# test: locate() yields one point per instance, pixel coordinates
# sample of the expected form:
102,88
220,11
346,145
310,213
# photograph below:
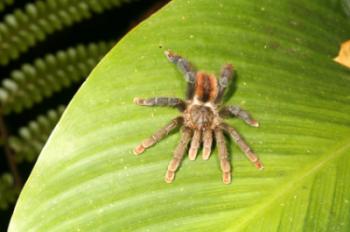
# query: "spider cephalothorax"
201,118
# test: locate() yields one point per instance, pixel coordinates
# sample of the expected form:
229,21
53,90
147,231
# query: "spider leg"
230,111
225,76
161,101
207,142
187,70
160,134
223,156
196,139
243,145
178,155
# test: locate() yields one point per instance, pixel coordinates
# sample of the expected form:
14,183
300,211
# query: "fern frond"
8,193
4,3
39,80
32,137
23,28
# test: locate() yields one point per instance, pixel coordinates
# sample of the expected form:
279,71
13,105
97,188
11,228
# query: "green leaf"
87,179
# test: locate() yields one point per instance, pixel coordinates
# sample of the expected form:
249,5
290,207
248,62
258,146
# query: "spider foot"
137,100
226,177
206,153
259,165
192,153
207,143
169,176
139,149
170,55
196,140
253,123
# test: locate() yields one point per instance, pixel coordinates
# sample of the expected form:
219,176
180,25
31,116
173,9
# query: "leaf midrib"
290,186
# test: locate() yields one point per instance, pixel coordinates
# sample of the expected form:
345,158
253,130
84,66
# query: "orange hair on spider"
206,87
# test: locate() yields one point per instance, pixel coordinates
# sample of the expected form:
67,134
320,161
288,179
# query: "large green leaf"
87,178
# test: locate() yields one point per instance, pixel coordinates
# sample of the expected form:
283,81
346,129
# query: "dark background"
110,25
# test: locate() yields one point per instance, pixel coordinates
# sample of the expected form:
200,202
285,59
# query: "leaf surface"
87,179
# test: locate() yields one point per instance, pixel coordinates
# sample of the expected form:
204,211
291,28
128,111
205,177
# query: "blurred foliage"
31,138
346,7
8,193
48,75
3,4
27,81
24,28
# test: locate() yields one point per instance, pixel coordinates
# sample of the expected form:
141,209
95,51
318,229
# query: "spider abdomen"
205,87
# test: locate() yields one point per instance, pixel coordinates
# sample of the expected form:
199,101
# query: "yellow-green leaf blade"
87,178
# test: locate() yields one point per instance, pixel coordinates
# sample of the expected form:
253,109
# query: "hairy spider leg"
178,154
207,142
160,134
242,145
195,143
223,156
224,79
161,101
187,70
236,111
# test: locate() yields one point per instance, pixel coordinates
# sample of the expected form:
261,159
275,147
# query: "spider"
202,117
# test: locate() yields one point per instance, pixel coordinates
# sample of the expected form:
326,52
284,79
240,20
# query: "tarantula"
202,116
